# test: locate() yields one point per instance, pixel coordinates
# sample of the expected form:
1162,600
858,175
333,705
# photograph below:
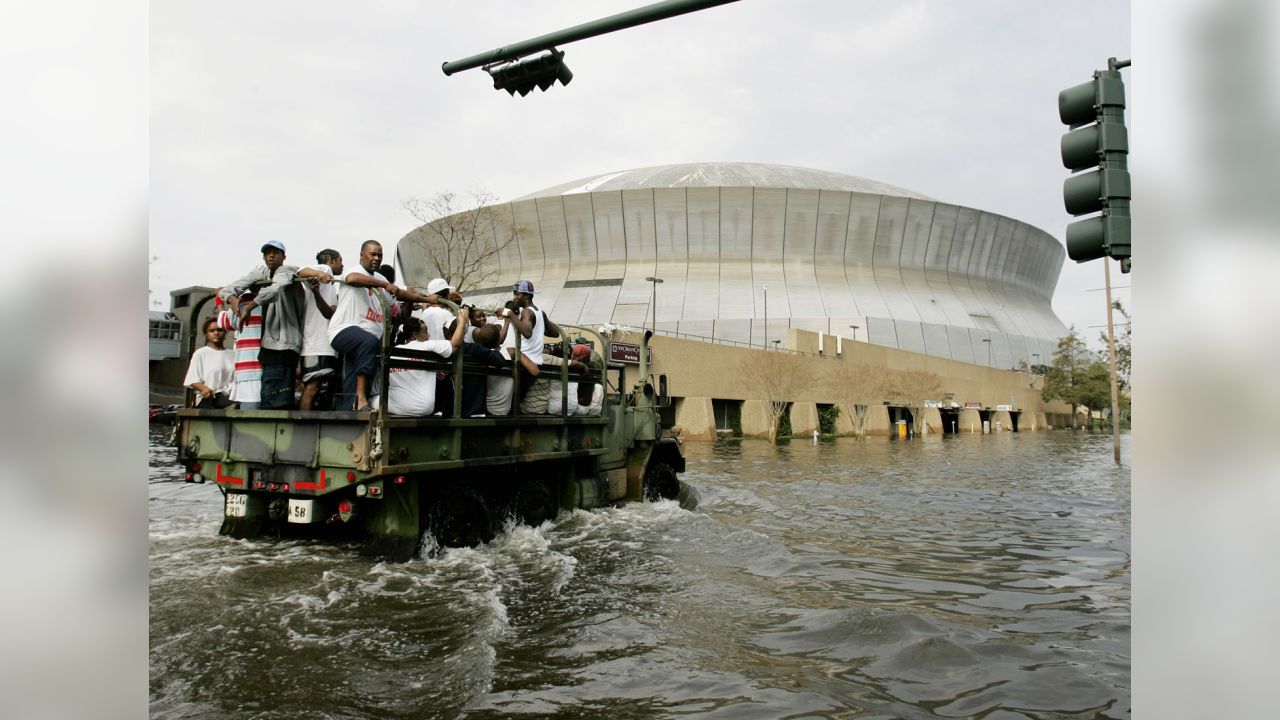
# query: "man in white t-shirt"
436,317
319,360
359,321
533,327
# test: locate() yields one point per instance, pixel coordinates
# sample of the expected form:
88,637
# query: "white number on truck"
237,504
301,510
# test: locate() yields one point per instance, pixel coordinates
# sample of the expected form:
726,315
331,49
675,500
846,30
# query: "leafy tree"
461,244
911,389
774,379
856,387
1077,377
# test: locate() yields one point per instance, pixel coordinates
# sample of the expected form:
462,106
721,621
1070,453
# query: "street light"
988,342
775,344
766,316
654,303
855,332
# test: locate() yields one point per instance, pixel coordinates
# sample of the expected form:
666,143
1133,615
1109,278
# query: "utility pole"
1111,351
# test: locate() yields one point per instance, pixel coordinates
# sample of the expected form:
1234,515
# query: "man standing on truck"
358,323
319,360
282,304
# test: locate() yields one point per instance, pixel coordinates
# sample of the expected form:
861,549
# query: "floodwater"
960,577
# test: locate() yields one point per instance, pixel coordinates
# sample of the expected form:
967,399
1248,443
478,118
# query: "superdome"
724,175
834,251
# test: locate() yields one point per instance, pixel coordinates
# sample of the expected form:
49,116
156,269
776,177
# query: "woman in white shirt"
413,392
212,368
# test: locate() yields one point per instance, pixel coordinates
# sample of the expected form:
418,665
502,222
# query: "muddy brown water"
967,576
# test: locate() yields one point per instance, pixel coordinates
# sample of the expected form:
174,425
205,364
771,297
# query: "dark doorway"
950,421
1013,419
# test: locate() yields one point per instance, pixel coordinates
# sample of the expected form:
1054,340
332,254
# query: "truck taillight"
346,509
195,467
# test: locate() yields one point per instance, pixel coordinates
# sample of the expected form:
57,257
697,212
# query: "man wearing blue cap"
283,307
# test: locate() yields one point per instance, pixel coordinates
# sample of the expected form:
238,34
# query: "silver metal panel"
880,331
611,238
509,265
642,249
631,314
734,330
737,296
935,339
529,239
701,329
982,354
798,254
941,235
768,223
910,335
702,289
580,229
963,244
859,250
915,251
555,249
887,258
568,305
599,306
1003,354
828,255
961,345
671,236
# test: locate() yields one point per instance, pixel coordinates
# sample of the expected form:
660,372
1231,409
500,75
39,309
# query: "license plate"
237,504
301,510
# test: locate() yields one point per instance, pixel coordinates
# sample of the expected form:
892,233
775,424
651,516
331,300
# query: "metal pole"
766,317
621,21
1111,347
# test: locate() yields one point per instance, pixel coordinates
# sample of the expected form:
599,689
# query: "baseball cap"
524,286
272,244
438,285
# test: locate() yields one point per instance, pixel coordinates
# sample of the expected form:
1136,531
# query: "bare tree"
911,389
774,379
462,244
856,387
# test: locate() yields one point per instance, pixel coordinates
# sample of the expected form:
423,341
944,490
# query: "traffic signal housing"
522,77
1097,139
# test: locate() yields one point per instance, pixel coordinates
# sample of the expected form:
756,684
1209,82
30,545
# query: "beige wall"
699,371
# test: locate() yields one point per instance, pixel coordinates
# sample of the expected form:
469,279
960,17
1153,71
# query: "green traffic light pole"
621,21
1119,207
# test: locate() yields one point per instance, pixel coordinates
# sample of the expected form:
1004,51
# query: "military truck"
393,481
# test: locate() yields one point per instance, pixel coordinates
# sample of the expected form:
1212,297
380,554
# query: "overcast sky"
311,122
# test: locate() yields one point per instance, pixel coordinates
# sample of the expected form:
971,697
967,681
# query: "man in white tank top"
532,325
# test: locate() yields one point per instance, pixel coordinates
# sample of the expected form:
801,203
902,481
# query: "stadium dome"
834,251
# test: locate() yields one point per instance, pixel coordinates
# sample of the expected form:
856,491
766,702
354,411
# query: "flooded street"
966,576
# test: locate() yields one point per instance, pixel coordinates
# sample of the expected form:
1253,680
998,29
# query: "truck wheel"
534,503
661,483
461,518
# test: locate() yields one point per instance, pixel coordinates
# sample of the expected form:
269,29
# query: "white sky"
311,122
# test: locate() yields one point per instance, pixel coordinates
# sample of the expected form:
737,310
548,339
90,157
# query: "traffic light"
1098,139
541,72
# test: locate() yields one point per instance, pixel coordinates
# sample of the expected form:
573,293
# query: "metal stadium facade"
738,246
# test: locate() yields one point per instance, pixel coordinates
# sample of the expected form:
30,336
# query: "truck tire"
535,503
461,518
661,482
